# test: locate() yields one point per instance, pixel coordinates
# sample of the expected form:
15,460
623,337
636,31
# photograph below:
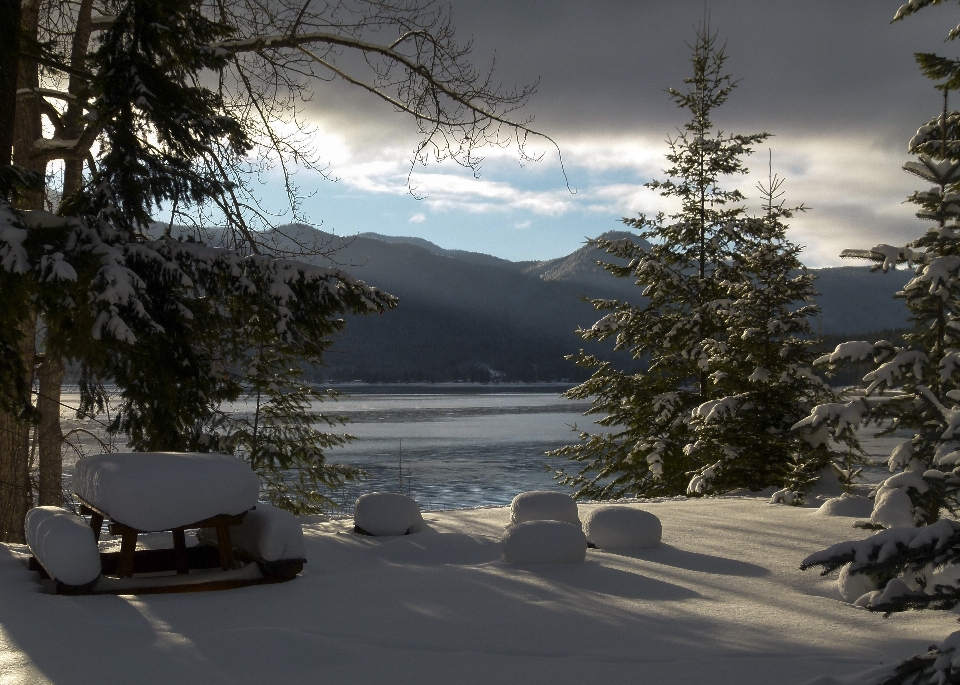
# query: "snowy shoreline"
721,596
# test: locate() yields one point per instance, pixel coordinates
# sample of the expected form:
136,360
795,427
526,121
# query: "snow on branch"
882,546
887,256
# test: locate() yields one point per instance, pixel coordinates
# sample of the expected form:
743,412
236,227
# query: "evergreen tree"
917,387
683,266
764,359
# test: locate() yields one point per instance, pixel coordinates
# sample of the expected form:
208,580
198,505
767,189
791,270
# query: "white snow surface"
267,533
617,527
164,490
544,505
847,505
722,596
64,545
544,542
387,513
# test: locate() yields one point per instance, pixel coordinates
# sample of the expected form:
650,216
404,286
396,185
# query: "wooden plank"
161,560
225,546
180,552
128,548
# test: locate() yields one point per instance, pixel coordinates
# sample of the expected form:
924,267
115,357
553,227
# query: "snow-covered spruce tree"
683,266
763,358
916,387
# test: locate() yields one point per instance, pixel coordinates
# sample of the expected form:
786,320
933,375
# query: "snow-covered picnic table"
146,492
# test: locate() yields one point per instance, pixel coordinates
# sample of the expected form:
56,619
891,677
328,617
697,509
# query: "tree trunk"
16,497
9,57
49,434
51,371
15,492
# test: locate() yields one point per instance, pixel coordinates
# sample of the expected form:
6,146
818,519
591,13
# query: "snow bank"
544,542
622,528
544,505
267,533
63,544
387,513
847,505
162,490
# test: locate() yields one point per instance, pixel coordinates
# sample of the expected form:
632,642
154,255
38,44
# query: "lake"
455,446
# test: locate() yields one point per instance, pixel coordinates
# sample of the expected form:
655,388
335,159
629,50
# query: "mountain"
470,316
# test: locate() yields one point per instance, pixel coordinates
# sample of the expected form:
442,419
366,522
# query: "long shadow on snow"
592,576
669,555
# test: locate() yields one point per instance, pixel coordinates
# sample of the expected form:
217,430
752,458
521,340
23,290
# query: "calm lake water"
459,446
452,448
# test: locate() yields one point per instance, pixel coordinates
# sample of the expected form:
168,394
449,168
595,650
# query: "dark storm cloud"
810,66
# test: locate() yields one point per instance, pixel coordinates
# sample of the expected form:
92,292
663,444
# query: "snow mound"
853,586
893,509
154,491
387,513
455,549
63,544
622,528
847,505
544,505
267,533
544,542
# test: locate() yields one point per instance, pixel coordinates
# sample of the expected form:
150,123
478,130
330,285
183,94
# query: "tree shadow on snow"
669,555
592,576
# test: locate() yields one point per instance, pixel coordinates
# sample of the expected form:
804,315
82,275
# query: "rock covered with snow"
847,505
387,513
267,533
853,586
63,544
153,491
615,527
544,542
544,505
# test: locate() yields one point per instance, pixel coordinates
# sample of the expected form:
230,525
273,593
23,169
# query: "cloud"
417,218
522,224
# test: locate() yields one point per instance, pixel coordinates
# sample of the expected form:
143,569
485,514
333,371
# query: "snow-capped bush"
544,505
622,528
544,542
63,544
387,513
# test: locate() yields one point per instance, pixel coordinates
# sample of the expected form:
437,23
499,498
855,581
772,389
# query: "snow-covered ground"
721,601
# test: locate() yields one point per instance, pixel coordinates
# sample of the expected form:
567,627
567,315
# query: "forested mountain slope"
469,316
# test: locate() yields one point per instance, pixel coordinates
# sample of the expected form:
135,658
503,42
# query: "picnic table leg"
128,546
225,547
96,522
180,552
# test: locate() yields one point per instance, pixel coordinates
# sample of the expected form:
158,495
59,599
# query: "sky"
833,81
